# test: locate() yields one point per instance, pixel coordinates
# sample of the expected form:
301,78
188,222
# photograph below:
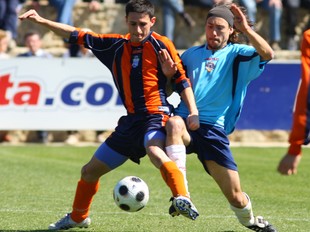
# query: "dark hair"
237,36
222,11
140,6
31,33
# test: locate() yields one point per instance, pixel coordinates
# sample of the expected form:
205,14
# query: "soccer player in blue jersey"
220,71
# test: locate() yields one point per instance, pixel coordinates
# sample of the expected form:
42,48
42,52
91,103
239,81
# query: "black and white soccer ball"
131,194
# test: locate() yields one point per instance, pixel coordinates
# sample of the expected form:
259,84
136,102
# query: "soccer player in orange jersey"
143,63
300,128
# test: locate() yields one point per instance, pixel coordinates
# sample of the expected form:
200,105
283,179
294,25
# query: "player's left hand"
168,66
289,164
240,21
192,122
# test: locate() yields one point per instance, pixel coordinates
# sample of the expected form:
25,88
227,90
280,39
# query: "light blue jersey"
219,80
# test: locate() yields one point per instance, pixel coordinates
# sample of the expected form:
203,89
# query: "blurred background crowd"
281,22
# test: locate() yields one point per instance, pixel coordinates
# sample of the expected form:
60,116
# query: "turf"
37,185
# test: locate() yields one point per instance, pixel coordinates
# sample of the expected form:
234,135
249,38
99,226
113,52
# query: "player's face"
139,25
217,33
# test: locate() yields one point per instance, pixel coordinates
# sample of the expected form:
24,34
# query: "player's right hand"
31,15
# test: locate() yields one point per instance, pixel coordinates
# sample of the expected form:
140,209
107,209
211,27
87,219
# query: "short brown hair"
140,6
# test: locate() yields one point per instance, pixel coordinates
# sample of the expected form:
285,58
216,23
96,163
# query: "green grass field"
37,186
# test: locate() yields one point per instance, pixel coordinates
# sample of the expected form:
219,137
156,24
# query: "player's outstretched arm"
60,29
260,44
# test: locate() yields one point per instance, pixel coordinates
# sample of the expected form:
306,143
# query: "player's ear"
153,20
231,30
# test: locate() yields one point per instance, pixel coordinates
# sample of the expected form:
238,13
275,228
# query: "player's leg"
154,144
155,141
104,160
177,136
212,146
229,182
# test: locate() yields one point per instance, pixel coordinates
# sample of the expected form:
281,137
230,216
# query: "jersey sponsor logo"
165,109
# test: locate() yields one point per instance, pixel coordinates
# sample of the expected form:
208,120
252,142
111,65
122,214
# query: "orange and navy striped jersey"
135,68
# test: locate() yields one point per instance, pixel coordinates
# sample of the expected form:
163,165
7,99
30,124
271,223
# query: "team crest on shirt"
135,61
210,64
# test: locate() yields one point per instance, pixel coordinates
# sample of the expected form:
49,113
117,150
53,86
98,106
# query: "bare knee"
238,200
175,126
156,153
86,174
93,170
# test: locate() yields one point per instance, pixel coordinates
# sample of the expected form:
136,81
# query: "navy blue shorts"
211,143
128,137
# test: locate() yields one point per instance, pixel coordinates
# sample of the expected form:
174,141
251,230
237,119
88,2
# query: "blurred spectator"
121,1
4,44
33,42
292,7
64,9
5,136
94,5
75,50
21,5
170,9
251,8
8,16
73,137
101,136
205,3
306,5
274,8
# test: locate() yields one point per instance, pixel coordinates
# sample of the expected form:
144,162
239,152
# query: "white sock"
245,215
177,153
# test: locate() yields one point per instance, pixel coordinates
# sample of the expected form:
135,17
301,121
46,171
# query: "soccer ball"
131,194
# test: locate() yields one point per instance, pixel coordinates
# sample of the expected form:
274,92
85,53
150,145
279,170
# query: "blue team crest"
210,66
135,61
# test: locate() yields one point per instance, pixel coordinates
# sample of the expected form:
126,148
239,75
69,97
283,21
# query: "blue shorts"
211,143
129,138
